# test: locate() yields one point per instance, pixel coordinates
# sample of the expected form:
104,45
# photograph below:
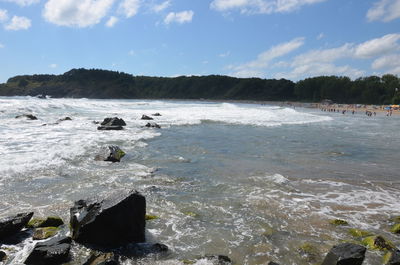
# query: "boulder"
115,221
272,263
44,233
145,117
3,256
64,119
51,252
378,243
98,258
345,254
395,229
338,222
112,124
51,221
219,259
14,224
111,153
28,116
153,125
392,258
156,114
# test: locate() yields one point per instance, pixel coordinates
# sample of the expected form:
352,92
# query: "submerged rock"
98,258
14,224
44,233
111,153
112,124
110,128
378,243
338,222
153,125
392,258
145,117
359,233
345,254
51,252
149,217
51,221
156,114
3,256
309,252
272,263
395,229
219,259
115,221
28,116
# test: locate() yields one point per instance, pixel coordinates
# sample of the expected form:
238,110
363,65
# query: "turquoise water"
250,181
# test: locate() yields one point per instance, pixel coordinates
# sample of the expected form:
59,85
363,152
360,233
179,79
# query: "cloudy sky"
290,39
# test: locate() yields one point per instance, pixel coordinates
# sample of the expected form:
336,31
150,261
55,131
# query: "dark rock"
220,259
153,125
392,258
113,122
110,128
28,116
272,263
64,119
14,224
41,96
156,114
111,153
114,221
345,254
3,256
142,249
145,117
98,258
51,252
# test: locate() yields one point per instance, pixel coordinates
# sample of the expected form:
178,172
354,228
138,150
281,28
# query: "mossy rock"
191,214
51,221
188,261
151,217
395,219
391,257
395,229
44,233
269,231
309,252
378,243
359,233
338,222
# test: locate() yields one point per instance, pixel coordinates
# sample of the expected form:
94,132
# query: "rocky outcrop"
114,221
112,124
111,153
28,116
14,224
51,252
53,221
145,117
153,125
345,254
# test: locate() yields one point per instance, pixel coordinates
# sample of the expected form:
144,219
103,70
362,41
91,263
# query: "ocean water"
250,181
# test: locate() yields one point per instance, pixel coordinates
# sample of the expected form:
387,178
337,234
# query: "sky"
292,39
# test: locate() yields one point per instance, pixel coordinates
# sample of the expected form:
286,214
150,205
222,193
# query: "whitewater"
250,181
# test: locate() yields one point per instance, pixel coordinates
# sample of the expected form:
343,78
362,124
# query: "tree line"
95,83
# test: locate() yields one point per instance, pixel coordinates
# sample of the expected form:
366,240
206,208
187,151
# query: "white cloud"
161,7
254,68
76,13
323,56
3,15
388,61
225,54
18,23
129,8
378,47
53,65
384,10
111,21
23,2
180,17
261,6
320,36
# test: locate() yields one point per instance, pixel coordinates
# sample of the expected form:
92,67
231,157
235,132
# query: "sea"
255,182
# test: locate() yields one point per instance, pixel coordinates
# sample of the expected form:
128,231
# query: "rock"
64,119
153,125
378,243
220,259
3,256
28,116
111,153
113,122
338,222
149,217
14,224
41,96
392,258
51,252
359,233
156,114
98,258
115,221
44,233
272,263
395,229
53,221
142,249
309,252
345,254
145,117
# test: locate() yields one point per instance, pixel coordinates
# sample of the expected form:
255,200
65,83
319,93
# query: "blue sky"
291,39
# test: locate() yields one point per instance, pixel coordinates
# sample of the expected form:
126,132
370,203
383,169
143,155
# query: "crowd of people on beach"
369,113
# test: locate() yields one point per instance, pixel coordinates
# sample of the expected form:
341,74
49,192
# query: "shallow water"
253,182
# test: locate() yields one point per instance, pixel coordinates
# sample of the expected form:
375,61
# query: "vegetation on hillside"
95,83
